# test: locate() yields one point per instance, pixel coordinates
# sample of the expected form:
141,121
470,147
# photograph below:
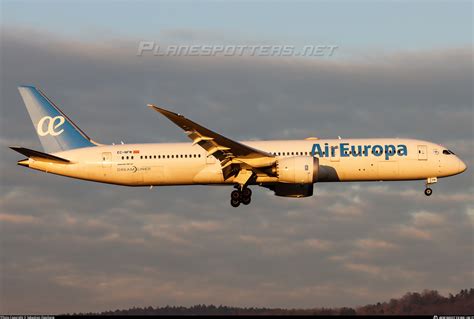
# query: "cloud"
375,244
97,247
12,218
413,233
424,218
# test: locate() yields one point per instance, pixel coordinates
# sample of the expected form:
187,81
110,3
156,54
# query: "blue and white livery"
288,168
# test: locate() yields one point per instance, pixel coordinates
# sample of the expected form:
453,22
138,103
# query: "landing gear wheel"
246,200
428,191
235,195
246,192
235,202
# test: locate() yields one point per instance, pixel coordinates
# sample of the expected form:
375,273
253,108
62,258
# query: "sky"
401,69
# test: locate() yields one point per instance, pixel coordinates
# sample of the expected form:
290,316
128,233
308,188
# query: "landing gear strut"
429,181
238,196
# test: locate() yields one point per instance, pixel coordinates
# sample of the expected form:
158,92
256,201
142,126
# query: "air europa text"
347,150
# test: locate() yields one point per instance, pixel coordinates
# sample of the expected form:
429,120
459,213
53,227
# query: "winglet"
163,111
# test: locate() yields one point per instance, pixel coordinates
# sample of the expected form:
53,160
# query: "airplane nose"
462,166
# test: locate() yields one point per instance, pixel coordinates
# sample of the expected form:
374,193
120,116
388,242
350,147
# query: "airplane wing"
236,158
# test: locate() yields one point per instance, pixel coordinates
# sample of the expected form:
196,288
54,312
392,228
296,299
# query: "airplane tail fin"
55,130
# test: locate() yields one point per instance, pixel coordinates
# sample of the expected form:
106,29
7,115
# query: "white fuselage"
187,164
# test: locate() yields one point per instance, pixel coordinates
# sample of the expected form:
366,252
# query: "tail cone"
25,162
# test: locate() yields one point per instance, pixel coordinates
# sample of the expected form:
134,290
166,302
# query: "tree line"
428,302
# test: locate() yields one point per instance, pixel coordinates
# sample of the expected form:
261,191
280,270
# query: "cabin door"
106,163
422,152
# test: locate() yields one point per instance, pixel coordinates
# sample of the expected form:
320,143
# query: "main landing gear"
243,196
429,181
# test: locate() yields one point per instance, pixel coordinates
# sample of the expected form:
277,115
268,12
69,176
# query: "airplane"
289,168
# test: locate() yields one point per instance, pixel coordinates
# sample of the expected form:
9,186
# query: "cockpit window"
448,152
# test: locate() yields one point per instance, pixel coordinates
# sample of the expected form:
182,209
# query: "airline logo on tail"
55,130
53,123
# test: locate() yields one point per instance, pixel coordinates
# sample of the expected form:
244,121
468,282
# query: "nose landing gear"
429,181
238,196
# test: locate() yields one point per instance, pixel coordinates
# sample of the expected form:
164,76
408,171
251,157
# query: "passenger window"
141,156
131,157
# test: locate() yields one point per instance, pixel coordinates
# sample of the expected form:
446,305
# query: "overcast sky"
69,245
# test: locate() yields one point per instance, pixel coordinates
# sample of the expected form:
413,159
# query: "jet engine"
296,176
297,169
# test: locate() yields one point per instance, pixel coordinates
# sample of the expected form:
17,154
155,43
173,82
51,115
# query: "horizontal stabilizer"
37,154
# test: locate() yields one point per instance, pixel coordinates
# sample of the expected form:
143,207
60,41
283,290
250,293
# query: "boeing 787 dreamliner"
289,168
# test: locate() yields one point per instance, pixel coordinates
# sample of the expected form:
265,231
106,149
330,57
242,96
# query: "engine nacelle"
298,170
293,190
